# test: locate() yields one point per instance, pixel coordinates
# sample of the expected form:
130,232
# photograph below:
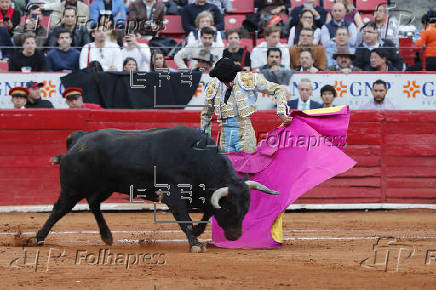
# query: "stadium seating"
408,50
368,5
173,25
242,6
171,63
4,66
328,4
233,21
295,3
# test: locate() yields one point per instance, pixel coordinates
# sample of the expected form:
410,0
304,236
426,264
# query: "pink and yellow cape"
291,159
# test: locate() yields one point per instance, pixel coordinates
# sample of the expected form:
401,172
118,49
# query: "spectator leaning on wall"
34,100
73,98
19,97
379,102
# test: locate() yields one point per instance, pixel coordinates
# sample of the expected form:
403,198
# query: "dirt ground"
323,250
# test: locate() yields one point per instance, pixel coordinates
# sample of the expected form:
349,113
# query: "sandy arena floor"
322,250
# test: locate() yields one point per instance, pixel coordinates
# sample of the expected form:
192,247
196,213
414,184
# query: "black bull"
101,162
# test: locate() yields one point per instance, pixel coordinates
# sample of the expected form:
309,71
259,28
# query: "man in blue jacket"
117,8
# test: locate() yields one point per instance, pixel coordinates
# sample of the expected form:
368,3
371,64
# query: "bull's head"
231,204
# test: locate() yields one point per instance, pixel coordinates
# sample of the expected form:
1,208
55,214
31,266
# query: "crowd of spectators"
110,31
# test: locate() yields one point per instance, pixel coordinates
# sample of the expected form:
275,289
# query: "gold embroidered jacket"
242,99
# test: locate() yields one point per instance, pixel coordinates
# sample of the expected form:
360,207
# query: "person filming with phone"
32,24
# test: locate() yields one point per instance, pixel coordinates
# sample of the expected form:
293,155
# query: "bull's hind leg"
94,205
180,211
64,204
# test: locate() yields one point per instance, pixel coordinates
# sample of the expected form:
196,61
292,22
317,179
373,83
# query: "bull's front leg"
180,211
199,228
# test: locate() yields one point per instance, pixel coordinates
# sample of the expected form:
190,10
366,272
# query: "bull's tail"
56,159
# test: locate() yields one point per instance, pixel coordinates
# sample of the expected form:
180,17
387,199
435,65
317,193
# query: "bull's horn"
216,196
256,185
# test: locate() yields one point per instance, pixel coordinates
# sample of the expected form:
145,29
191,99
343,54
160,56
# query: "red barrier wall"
395,151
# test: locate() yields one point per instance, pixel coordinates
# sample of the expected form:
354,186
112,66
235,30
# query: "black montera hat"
225,70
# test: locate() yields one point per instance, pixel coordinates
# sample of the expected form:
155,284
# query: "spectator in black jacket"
69,21
370,42
34,100
379,61
5,42
28,59
190,12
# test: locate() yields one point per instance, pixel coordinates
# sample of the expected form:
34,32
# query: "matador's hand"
285,119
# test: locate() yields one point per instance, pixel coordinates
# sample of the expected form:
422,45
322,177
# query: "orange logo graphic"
48,89
199,90
411,89
341,89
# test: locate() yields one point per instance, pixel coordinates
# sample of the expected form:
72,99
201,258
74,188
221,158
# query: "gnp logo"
48,89
341,88
199,90
411,89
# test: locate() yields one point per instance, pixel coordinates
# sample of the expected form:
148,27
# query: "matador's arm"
208,109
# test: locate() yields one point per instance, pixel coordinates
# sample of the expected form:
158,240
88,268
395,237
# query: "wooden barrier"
395,151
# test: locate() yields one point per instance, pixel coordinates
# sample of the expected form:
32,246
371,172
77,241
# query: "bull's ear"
245,176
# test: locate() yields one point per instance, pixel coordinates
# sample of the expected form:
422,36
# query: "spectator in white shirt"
272,36
139,51
193,48
108,54
204,19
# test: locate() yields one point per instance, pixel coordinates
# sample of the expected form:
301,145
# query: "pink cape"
301,160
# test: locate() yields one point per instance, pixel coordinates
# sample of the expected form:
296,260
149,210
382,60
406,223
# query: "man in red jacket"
74,99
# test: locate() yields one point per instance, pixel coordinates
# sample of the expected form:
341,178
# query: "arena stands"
172,37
